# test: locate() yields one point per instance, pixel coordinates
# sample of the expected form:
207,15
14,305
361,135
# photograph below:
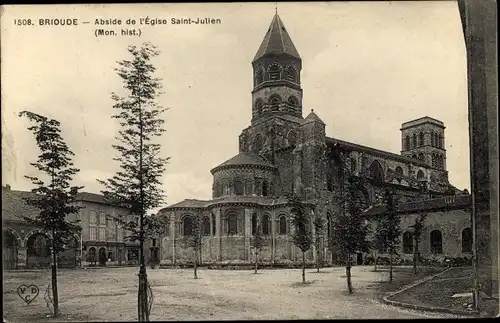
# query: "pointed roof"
312,117
277,41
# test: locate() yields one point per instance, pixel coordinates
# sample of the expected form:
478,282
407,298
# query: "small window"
238,187
283,225
266,225
232,224
187,226
291,75
102,218
436,242
206,226
467,240
420,175
407,143
407,242
93,234
265,188
414,140
274,73
254,223
421,139
93,216
102,234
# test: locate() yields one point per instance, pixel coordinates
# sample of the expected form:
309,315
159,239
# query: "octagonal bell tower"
276,74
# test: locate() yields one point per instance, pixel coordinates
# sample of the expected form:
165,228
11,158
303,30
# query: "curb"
387,301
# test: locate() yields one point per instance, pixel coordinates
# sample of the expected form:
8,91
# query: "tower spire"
276,7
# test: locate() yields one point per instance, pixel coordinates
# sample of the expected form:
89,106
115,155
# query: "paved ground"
110,295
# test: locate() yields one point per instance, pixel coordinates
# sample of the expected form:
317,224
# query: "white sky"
367,68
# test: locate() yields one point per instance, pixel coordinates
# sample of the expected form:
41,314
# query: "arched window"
266,225
436,242
293,101
407,242
232,224
407,142
248,188
238,187
399,172
421,139
434,139
414,156
265,188
275,99
259,104
258,142
440,141
259,77
282,226
218,189
420,175
376,172
214,224
292,137
187,225
205,227
329,225
467,240
291,74
414,140
353,165
274,72
254,223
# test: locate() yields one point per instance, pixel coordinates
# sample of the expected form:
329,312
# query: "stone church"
281,151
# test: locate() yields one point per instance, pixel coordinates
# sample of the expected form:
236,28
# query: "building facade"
101,241
282,152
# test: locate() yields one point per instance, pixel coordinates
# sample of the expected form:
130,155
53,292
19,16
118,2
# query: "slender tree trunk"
55,294
303,267
375,260
317,257
415,250
143,304
348,273
256,261
195,268
390,265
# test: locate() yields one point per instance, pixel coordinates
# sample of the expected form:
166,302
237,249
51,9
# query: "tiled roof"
188,203
261,200
442,203
379,152
14,206
91,197
277,41
244,158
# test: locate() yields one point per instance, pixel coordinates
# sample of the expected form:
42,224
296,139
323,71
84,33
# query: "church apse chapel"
282,152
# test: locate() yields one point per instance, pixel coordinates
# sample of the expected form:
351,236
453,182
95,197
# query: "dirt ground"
110,294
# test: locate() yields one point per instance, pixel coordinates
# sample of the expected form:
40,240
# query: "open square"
110,294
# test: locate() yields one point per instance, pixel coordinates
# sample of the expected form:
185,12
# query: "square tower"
423,139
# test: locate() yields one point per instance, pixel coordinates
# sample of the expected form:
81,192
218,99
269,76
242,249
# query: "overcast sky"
367,68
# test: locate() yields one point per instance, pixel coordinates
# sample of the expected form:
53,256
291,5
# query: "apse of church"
282,152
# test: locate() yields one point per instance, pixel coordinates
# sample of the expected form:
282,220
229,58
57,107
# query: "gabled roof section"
313,117
277,41
244,159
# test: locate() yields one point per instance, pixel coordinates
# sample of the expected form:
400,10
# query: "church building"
282,152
